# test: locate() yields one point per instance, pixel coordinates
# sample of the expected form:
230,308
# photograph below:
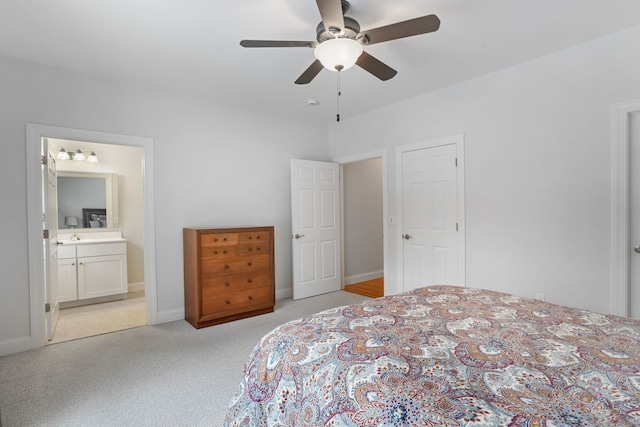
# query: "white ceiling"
193,45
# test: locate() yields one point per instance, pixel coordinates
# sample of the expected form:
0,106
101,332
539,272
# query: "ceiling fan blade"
331,12
310,73
375,67
277,43
412,27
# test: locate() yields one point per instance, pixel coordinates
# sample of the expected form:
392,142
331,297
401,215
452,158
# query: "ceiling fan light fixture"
338,54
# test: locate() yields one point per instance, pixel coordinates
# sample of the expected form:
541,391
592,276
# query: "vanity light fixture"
64,155
77,155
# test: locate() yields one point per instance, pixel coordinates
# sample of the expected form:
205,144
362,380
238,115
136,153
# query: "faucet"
74,236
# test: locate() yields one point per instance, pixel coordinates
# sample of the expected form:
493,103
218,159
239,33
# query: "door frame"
620,205
34,134
458,140
379,154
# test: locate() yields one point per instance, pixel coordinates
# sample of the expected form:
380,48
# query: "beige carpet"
165,375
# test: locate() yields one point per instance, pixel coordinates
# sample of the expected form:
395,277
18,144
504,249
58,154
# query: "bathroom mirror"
87,200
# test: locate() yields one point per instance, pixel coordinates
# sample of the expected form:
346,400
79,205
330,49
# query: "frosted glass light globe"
338,54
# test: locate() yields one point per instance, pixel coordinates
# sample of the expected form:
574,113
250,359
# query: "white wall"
363,221
214,166
538,174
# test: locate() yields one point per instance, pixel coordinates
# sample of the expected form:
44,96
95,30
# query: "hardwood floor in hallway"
370,288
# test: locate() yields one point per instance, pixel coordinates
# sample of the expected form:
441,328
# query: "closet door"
430,217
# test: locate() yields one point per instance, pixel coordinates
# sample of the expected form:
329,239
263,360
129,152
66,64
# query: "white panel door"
315,227
50,223
634,215
430,215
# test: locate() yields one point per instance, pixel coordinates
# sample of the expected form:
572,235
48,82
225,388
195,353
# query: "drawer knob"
215,240
228,302
250,297
258,248
227,284
226,267
225,239
258,237
224,252
250,237
249,264
215,252
250,249
250,281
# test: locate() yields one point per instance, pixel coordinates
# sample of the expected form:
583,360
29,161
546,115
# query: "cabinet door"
100,276
67,280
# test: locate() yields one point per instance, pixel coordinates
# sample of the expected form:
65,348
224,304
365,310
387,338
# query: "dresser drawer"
218,239
220,252
254,249
253,237
222,305
235,282
214,266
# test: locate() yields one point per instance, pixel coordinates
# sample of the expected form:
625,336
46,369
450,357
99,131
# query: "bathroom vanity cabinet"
91,269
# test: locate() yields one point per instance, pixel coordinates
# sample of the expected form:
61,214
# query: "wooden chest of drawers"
228,274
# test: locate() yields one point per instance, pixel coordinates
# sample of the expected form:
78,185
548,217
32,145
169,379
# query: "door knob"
406,236
637,249
297,236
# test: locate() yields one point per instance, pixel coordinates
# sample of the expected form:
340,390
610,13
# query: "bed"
444,356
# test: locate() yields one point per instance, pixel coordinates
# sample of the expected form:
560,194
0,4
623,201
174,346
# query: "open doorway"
98,199
363,204
39,280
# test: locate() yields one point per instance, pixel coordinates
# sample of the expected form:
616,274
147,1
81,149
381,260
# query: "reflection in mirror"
87,200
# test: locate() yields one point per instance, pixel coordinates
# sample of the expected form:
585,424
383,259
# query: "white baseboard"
170,315
288,292
178,313
357,278
284,293
135,287
16,345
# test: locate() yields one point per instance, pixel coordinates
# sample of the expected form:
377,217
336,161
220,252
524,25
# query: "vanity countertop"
82,241
88,237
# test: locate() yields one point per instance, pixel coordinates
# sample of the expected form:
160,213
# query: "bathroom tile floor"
89,320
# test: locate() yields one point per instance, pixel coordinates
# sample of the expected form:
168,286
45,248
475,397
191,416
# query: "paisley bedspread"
445,356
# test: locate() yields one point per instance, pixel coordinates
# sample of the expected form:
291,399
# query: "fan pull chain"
338,98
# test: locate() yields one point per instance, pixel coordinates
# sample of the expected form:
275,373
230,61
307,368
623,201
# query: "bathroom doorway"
139,249
108,178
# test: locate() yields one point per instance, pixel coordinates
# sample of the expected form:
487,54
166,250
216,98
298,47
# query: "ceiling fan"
339,41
